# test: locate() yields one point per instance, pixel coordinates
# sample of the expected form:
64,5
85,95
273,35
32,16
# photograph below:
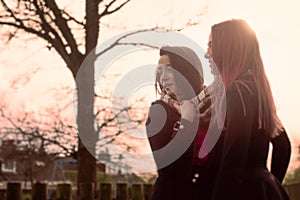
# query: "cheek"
169,76
175,83
172,78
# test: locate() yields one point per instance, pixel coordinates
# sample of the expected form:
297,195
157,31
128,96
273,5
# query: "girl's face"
209,56
167,75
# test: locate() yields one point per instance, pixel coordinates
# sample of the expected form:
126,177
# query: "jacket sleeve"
280,155
239,121
158,126
173,154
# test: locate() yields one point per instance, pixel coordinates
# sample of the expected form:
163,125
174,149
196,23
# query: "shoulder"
159,106
159,102
161,110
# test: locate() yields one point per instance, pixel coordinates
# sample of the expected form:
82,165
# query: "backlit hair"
235,49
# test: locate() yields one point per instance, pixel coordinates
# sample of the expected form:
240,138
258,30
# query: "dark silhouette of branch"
106,11
117,42
62,24
29,131
23,79
71,18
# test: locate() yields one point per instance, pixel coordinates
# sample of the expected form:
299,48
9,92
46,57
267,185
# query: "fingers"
206,115
204,104
188,110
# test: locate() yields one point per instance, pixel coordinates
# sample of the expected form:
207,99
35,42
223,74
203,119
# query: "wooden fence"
293,191
63,191
104,191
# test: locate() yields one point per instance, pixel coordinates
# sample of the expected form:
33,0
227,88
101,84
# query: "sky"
276,23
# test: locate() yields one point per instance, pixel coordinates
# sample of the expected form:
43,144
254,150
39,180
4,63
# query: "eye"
169,69
209,44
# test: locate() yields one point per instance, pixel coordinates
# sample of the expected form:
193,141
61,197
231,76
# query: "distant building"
28,165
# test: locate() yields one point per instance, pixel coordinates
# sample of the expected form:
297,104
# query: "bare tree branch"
70,18
117,42
52,34
23,79
46,32
106,11
32,131
62,24
27,29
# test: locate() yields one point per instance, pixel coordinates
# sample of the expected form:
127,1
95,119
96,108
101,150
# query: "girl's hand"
189,110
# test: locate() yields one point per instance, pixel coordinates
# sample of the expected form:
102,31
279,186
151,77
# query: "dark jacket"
243,173
174,163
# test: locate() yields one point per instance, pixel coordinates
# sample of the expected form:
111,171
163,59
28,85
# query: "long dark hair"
186,62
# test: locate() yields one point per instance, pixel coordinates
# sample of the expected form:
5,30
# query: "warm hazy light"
276,22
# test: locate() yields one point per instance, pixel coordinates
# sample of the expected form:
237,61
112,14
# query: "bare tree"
50,131
47,20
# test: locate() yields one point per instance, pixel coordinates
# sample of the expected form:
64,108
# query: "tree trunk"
87,172
85,121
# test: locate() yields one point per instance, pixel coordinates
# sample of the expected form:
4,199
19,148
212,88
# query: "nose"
163,77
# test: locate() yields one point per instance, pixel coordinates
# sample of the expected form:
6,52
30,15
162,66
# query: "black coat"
174,178
243,173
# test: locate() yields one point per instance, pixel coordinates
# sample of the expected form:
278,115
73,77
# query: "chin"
214,71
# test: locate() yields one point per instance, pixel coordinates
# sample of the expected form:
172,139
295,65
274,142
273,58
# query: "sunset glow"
276,22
